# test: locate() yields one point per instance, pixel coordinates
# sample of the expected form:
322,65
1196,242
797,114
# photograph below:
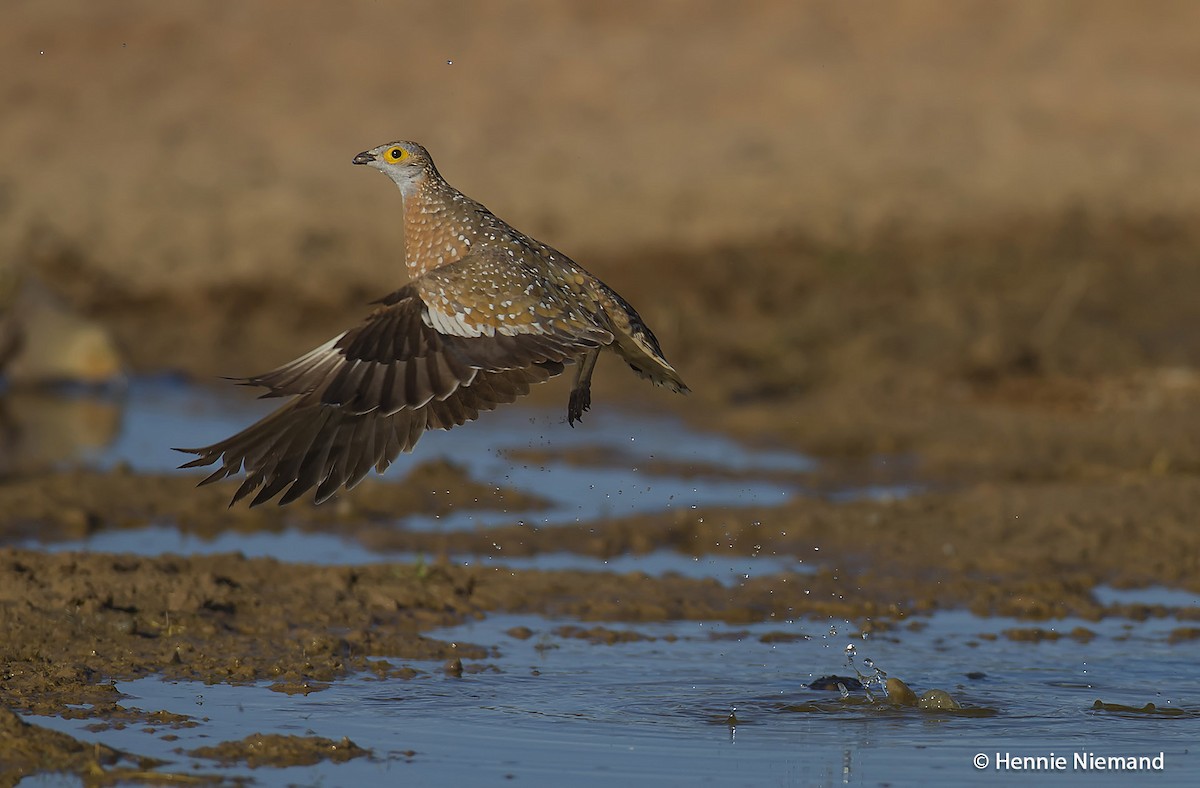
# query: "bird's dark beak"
364,158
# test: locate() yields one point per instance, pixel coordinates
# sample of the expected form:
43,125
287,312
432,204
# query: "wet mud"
274,750
29,749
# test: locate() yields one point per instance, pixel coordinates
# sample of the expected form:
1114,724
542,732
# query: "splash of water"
875,677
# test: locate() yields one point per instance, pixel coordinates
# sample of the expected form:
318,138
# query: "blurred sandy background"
182,171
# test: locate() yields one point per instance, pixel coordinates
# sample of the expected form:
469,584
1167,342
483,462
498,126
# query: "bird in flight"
487,313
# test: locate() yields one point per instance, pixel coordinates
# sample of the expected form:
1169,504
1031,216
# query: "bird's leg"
581,389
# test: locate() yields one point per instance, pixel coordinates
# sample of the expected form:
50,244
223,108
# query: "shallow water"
1157,595
551,709
319,548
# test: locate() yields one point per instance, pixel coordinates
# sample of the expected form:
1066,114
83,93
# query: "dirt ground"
958,237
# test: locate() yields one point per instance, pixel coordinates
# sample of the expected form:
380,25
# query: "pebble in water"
899,693
830,683
938,700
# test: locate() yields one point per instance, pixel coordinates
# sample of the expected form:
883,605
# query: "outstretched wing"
306,444
435,355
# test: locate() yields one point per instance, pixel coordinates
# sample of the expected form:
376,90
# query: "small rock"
899,692
938,700
830,683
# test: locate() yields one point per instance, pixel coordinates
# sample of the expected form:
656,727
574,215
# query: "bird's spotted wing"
499,293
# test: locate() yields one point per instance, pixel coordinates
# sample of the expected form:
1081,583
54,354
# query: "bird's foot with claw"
581,400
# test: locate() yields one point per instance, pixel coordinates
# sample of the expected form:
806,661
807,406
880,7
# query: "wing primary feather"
286,468
389,401
313,466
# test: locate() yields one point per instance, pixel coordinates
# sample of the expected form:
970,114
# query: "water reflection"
45,428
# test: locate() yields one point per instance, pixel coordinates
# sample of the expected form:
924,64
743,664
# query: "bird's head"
406,163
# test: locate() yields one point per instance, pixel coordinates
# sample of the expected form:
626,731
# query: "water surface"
552,710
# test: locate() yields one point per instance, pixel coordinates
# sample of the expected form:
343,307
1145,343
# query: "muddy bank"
73,504
274,750
27,749
1034,551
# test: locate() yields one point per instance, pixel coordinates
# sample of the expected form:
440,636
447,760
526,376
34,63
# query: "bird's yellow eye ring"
395,154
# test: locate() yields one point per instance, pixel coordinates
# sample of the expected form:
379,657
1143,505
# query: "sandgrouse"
488,312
